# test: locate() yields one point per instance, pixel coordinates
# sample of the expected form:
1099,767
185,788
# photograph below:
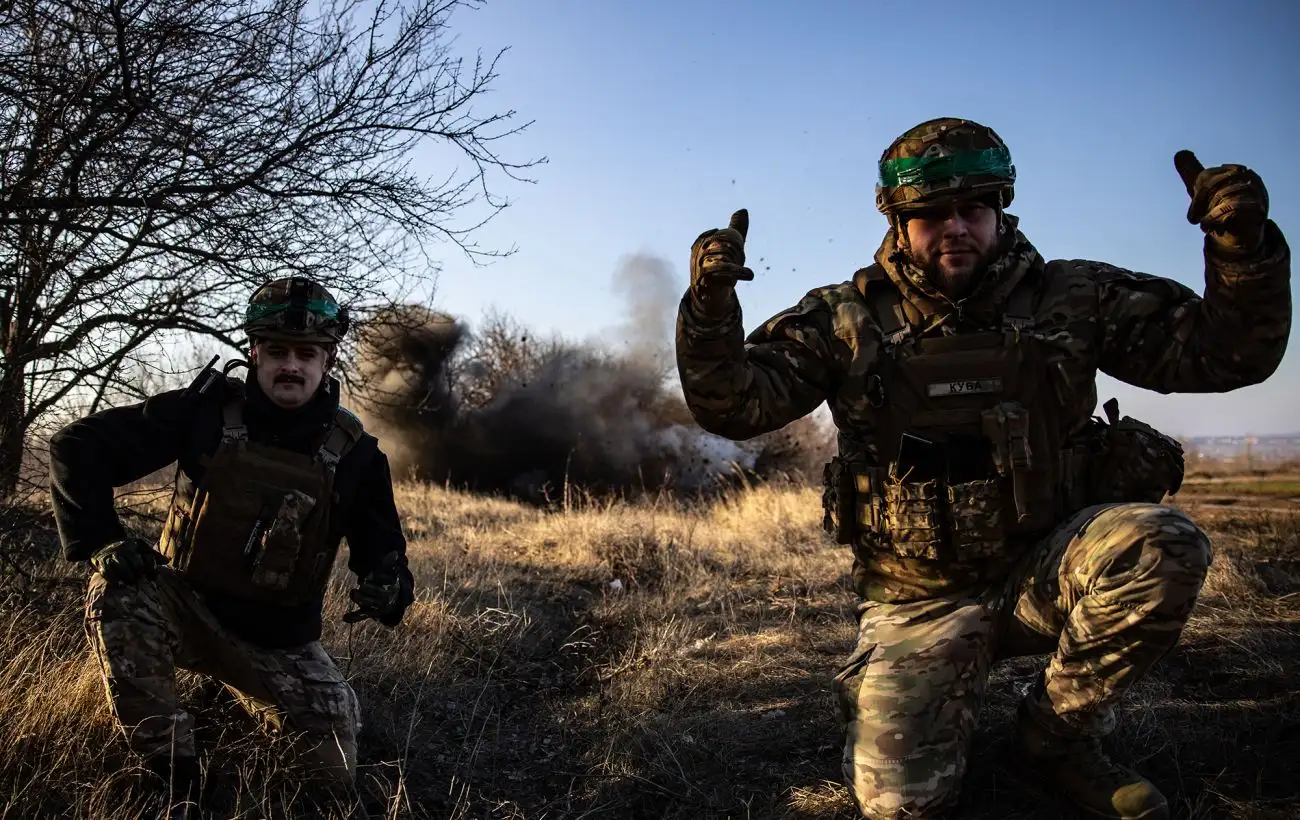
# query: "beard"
960,281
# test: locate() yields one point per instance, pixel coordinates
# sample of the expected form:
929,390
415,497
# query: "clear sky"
661,118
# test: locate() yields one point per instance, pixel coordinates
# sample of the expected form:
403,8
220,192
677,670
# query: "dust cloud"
501,410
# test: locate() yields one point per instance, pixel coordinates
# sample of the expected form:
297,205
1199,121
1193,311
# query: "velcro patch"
962,387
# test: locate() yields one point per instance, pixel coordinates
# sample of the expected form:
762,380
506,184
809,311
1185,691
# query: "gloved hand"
384,594
718,261
127,561
1229,202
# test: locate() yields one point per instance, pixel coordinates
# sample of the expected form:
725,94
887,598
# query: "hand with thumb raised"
1229,202
718,261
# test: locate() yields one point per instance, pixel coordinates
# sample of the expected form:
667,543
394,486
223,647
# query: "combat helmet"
295,309
944,158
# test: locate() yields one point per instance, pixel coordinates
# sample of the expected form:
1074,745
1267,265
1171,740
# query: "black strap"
299,292
232,420
1019,312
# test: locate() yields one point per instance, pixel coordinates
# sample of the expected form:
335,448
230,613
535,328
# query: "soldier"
989,514
271,473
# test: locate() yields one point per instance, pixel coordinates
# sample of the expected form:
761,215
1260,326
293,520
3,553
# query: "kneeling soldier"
989,513
271,474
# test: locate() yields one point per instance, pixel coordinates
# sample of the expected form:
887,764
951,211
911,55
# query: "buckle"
329,459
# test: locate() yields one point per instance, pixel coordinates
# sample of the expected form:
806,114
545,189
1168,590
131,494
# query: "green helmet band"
317,307
925,171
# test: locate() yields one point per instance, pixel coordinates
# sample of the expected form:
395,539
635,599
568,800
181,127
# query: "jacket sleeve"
1160,335
92,456
740,388
371,525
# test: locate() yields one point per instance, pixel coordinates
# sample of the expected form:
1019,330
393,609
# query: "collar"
928,308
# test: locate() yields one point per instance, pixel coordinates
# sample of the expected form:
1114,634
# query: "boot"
177,781
1089,782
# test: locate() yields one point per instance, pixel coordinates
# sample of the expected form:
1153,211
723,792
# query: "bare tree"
159,158
500,354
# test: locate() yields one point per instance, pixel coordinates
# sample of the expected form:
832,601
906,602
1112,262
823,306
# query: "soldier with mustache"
271,474
988,512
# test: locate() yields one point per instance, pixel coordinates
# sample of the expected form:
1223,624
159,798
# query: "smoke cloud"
500,410
650,295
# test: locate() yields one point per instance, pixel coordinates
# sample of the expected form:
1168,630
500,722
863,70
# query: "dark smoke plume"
499,410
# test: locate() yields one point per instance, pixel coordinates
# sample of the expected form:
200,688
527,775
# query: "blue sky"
660,118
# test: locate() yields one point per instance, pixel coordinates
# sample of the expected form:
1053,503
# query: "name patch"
964,386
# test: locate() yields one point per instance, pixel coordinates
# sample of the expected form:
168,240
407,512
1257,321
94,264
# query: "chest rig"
967,439
257,525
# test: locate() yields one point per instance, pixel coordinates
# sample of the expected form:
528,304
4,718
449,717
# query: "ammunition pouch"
1131,461
276,549
914,518
920,520
846,491
1006,425
975,508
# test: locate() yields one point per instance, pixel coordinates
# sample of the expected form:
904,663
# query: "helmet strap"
897,223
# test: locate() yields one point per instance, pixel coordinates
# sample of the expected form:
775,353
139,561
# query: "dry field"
656,659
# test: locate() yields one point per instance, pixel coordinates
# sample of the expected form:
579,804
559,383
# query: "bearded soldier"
989,513
271,473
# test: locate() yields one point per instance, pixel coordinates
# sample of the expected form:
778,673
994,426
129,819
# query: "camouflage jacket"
1147,331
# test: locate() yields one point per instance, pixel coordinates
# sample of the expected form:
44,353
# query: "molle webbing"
259,523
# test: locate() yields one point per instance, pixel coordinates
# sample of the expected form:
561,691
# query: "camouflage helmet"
945,158
295,309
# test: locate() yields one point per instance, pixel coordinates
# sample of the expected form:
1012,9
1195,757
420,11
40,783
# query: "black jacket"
90,457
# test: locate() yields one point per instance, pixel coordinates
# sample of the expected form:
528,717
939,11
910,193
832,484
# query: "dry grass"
524,683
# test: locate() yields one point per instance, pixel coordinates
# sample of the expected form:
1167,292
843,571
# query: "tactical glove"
1229,202
127,561
384,594
718,261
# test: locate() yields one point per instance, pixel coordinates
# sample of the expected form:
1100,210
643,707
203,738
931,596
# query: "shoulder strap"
232,420
885,303
864,278
344,432
1019,312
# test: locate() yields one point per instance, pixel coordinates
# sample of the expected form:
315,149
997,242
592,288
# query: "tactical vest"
258,524
968,439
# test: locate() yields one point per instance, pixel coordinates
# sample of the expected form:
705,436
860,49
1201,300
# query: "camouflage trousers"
142,633
1108,592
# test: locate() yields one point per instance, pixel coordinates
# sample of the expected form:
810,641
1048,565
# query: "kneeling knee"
1150,542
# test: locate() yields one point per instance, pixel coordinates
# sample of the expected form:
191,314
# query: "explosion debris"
503,411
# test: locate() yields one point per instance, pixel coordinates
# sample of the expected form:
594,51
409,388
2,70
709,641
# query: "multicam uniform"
989,513
264,497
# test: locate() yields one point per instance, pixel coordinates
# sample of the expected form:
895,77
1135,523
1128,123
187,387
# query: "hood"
928,308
